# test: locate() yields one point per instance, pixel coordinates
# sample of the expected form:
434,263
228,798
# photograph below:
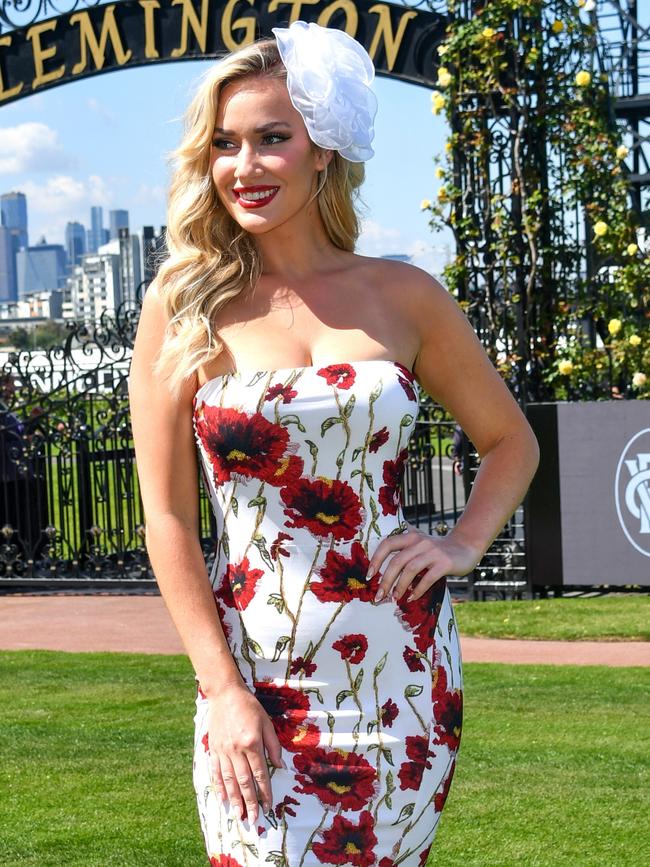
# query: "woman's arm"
454,369
168,475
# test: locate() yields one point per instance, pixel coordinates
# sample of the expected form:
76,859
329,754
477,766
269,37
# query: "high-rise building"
40,268
97,234
117,220
13,207
127,247
75,243
94,286
8,284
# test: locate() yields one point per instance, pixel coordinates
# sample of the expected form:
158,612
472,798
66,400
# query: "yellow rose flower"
557,26
639,379
444,76
442,50
443,194
621,152
448,146
488,32
634,340
438,102
425,204
614,326
632,249
565,366
439,172
583,78
601,228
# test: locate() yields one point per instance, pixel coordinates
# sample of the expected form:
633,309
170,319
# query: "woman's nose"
247,162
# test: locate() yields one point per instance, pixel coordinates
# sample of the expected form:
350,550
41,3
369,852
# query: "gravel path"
141,624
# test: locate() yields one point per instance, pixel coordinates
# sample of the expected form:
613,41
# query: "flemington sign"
87,41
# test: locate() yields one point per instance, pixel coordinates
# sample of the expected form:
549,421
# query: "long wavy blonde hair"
211,259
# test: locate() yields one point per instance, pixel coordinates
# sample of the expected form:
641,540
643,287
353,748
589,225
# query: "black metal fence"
71,514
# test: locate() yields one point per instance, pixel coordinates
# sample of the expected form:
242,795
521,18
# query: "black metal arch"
90,38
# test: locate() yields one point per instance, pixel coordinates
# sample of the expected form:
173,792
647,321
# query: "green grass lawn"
96,755
605,618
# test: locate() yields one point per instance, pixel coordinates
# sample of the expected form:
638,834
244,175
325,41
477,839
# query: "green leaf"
328,423
357,680
413,689
277,600
280,644
345,693
349,406
292,418
404,813
380,665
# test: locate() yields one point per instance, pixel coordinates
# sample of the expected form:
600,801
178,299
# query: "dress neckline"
240,373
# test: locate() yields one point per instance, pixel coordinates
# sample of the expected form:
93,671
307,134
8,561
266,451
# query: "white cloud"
148,194
62,198
32,147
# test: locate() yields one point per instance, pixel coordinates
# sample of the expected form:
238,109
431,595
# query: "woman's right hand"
239,729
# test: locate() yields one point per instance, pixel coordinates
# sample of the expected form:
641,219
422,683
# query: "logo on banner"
632,491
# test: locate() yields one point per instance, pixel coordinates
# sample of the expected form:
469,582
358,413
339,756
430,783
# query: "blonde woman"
288,369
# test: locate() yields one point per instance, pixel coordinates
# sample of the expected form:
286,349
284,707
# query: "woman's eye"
276,136
220,143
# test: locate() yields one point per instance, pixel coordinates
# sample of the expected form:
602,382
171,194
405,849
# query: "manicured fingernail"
284,764
369,574
237,811
380,594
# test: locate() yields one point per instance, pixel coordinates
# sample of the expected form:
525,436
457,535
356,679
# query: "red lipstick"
257,202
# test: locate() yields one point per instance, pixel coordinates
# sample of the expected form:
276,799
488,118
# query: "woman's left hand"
418,551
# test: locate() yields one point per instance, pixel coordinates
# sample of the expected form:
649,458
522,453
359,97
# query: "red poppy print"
286,806
421,615
424,856
325,507
404,371
447,710
285,391
389,494
378,439
288,709
340,375
224,861
410,773
352,647
238,584
389,712
344,578
287,470
206,742
336,777
348,842
238,444
413,659
299,665
277,548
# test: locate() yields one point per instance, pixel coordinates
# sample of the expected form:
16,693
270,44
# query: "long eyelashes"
222,143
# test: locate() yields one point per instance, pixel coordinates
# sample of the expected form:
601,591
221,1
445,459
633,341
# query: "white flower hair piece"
328,77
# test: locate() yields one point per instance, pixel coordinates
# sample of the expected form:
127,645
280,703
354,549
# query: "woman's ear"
323,158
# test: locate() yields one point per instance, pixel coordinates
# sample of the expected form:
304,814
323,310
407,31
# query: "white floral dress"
303,466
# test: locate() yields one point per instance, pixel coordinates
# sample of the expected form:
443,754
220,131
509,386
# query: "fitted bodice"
306,454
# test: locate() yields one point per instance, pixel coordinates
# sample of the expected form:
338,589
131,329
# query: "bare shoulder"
452,365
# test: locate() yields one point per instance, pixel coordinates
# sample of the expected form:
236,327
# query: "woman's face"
263,163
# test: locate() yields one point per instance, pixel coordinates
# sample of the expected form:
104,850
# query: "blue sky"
104,141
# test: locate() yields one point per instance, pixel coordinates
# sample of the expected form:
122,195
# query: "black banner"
401,40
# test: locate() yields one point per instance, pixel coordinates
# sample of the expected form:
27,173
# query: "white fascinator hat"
328,78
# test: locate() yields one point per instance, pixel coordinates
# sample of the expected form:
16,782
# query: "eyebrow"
265,128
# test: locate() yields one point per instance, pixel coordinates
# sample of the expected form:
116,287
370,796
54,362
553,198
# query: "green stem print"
311,837
294,628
